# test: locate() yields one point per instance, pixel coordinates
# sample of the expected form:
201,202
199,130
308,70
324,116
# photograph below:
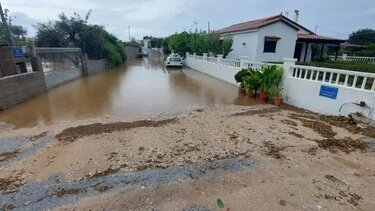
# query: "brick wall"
19,88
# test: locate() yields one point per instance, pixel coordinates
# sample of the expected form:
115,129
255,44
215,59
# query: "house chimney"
296,16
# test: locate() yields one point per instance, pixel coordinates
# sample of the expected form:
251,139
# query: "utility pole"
129,33
6,27
196,27
208,27
316,29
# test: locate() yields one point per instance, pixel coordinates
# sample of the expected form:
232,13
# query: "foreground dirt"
306,161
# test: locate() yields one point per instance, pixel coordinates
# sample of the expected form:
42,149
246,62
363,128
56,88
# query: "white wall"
221,72
285,46
305,94
300,92
239,50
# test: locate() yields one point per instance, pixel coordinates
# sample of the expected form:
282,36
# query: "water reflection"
140,87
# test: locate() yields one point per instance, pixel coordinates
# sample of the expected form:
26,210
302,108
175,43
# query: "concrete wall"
95,66
285,46
305,94
250,39
56,78
303,89
131,52
19,88
221,72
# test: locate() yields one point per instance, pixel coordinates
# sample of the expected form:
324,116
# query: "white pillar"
194,55
288,62
243,60
344,56
187,54
205,56
219,58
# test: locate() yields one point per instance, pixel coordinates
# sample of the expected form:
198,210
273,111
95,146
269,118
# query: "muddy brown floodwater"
139,88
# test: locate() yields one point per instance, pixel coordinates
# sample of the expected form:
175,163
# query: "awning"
272,37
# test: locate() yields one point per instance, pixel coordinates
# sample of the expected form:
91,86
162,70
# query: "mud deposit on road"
291,158
73,133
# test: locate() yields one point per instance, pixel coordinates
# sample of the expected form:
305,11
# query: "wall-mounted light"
244,43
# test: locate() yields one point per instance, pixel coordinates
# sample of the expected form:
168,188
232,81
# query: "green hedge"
344,65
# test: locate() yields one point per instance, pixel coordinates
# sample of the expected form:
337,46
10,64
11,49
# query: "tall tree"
17,32
75,31
200,43
363,37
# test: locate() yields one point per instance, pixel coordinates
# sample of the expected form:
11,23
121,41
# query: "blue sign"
17,52
329,92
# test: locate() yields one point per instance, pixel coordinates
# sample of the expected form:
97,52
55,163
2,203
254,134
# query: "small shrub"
239,77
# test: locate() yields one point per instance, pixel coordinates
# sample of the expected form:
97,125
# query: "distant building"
274,38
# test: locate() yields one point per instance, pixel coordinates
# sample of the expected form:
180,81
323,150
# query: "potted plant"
239,78
271,75
252,83
276,94
265,82
277,75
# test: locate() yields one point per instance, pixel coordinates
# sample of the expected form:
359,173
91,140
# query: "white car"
173,61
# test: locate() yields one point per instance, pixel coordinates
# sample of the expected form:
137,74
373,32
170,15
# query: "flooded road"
139,88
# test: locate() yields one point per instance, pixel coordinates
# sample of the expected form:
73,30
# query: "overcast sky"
336,18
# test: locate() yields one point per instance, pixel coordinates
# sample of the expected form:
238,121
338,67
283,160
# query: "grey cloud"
162,17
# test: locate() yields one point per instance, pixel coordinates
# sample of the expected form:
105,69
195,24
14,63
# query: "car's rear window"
174,59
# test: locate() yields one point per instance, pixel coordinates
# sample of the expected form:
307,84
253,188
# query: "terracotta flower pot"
278,101
241,91
262,96
251,94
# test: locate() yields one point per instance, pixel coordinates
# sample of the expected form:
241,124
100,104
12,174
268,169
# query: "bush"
343,65
252,79
239,77
113,55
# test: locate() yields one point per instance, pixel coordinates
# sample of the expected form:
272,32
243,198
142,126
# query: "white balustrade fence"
322,90
329,91
353,58
230,62
345,78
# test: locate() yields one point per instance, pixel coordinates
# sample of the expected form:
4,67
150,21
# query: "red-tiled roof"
255,24
303,33
313,36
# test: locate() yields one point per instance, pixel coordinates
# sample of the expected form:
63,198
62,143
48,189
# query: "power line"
187,14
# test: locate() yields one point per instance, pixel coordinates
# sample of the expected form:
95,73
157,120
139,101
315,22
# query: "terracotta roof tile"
252,24
312,36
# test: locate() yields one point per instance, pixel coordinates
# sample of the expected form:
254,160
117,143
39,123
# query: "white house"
274,38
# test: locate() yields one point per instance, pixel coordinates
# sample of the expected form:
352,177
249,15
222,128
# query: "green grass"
343,65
